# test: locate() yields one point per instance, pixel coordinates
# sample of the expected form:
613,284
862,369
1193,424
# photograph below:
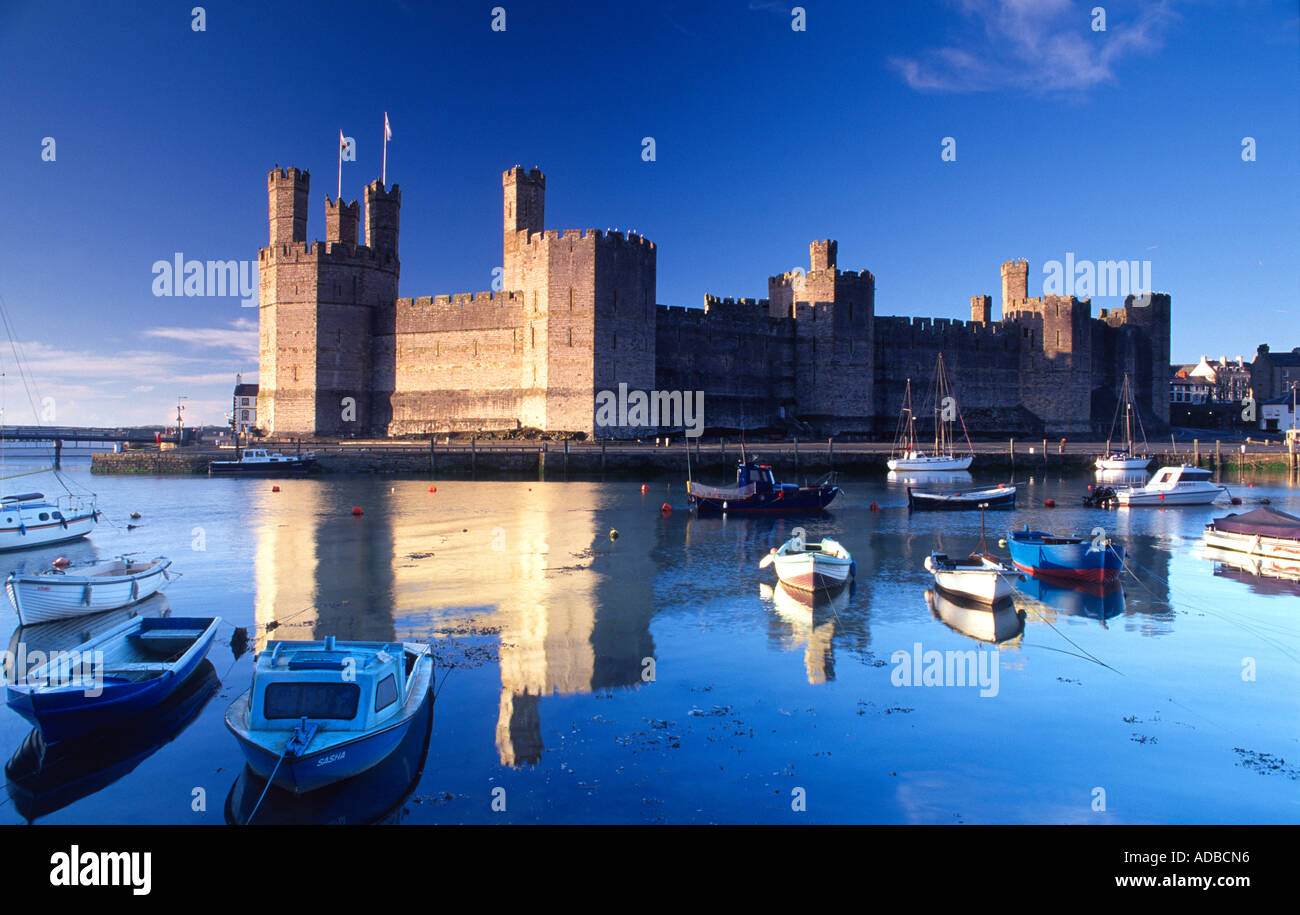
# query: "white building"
245,414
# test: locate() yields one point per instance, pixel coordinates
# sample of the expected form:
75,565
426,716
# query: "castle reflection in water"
531,569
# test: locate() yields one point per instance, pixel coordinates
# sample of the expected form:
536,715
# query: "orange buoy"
875,506
1236,500
645,488
61,562
275,489
433,489
1050,503
665,509
356,509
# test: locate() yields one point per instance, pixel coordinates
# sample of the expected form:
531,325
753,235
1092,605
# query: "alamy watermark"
179,277
946,668
651,409
62,669
1084,279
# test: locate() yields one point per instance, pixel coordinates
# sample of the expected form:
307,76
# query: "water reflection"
1100,602
42,778
998,623
804,619
1261,574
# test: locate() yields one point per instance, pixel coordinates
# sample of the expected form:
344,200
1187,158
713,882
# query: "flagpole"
383,179
338,198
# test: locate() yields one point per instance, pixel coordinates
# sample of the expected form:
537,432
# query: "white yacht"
1181,485
30,520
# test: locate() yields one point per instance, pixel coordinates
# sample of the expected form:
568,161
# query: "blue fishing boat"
322,711
1069,559
115,675
757,490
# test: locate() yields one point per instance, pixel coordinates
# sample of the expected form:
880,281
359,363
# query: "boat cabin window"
58,516
385,693
45,516
312,700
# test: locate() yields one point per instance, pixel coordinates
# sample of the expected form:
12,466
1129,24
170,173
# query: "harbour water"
660,677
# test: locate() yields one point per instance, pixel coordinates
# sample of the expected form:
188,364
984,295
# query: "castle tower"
981,309
341,221
1015,285
287,195
382,211
322,304
821,254
523,209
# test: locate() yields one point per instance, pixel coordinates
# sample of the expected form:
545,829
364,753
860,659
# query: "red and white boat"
813,567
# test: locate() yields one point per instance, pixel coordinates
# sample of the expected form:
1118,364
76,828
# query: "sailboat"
1126,459
906,454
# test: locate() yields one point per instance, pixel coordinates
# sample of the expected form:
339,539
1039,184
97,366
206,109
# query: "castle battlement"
579,313
332,253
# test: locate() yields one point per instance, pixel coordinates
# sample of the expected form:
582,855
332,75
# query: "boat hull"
1135,498
297,468
813,572
931,463
28,537
1117,462
1004,497
1067,560
67,712
805,499
987,586
45,598
993,623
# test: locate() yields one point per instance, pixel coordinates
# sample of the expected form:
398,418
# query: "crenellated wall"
342,355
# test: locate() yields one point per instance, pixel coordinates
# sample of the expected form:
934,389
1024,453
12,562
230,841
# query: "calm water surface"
661,678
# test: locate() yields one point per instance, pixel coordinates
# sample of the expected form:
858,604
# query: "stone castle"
342,355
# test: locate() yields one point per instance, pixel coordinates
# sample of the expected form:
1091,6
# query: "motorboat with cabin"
260,462
1180,485
30,519
757,490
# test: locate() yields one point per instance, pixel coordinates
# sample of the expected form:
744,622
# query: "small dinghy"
979,577
112,677
1003,496
60,593
318,712
813,567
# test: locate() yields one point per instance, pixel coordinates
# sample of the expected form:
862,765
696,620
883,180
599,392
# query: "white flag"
388,131
343,144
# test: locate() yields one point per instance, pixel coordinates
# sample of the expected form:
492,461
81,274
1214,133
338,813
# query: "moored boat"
1126,458
906,454
60,593
1181,485
979,577
757,490
113,676
1261,532
303,724
260,462
1001,496
813,567
31,520
1071,559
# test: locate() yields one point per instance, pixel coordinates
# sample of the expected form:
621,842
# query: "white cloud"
1037,45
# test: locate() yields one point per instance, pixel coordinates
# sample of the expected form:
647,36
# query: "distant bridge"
86,434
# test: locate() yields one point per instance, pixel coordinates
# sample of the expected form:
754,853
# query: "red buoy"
645,488
275,489
1050,503
356,509
875,506
1236,500
665,509
62,562
433,489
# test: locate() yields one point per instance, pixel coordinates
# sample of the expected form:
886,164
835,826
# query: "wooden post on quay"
473,454
433,461
1044,452
1218,454
830,454
1196,452
722,450
602,455
796,456
566,457
1011,450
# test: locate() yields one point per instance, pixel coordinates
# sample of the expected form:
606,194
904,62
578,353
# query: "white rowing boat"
811,567
980,577
59,594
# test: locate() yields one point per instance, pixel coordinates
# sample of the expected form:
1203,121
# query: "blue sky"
1123,144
